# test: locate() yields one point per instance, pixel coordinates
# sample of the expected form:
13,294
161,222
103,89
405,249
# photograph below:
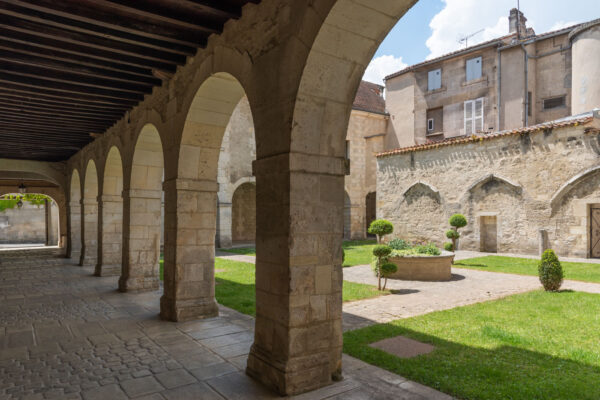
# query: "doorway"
595,231
489,234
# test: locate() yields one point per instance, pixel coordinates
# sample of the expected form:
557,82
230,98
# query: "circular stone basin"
423,268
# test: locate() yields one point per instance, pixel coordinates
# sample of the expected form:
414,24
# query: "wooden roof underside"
70,68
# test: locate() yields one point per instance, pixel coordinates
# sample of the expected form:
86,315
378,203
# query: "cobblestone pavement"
66,334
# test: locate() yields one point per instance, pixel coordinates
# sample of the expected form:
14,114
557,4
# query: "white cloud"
561,24
381,67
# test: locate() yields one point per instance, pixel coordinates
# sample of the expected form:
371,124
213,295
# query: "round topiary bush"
458,221
387,269
381,251
550,271
399,244
448,246
380,228
452,234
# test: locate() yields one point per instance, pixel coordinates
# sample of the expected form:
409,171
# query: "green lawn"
235,287
536,345
358,252
524,266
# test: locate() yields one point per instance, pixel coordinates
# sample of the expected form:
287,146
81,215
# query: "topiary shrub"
387,269
550,271
448,246
399,244
382,253
380,228
456,221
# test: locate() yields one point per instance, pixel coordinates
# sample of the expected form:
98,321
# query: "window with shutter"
473,68
473,116
434,79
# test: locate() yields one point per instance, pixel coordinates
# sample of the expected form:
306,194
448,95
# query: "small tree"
387,269
550,271
382,252
380,228
456,221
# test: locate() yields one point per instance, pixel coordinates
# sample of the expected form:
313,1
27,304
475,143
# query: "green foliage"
429,248
381,227
343,256
10,201
381,251
458,221
452,234
399,244
388,268
448,246
550,271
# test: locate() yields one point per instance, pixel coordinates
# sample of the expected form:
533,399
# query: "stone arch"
486,180
420,188
74,222
422,217
110,234
566,187
142,201
243,210
89,215
370,210
191,201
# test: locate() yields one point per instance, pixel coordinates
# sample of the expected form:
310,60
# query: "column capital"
75,203
300,162
142,193
107,198
192,185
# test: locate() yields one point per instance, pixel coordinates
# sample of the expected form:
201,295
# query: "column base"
187,310
136,284
87,262
107,270
291,377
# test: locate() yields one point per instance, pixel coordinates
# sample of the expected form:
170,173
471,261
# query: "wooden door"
489,234
595,232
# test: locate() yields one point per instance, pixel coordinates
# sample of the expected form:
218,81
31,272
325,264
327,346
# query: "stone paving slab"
69,335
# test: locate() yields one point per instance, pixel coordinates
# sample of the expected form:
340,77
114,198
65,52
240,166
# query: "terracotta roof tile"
480,138
369,97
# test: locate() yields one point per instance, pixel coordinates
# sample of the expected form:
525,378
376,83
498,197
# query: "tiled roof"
369,97
573,121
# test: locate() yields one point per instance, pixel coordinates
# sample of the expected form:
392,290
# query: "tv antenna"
465,39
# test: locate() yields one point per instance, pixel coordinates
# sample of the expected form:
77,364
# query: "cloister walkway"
69,335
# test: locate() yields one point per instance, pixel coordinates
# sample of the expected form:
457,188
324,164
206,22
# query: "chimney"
516,23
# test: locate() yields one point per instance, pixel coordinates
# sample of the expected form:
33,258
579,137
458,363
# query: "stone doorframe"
590,226
478,218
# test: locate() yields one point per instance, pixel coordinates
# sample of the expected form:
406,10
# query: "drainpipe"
526,83
499,91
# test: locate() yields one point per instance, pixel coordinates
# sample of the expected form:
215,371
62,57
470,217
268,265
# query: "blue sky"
446,21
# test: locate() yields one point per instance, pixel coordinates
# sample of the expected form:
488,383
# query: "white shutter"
468,117
434,79
473,68
478,115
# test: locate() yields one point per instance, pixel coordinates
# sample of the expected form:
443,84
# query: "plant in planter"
387,269
399,244
380,228
448,246
550,271
456,221
382,253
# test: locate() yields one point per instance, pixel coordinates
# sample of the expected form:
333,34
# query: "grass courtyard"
524,266
235,286
535,345
358,252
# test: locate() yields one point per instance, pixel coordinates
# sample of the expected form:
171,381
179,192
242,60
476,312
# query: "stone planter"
423,268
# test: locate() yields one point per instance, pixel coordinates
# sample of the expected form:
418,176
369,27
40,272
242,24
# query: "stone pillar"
298,335
357,222
189,274
542,241
89,216
53,224
48,215
74,240
224,225
110,235
141,240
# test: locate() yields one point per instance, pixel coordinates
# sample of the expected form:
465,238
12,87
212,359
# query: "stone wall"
542,178
26,224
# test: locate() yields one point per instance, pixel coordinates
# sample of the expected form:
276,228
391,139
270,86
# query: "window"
529,105
473,68
435,121
430,124
554,102
434,79
473,116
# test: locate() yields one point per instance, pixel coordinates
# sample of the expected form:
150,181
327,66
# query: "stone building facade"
237,192
33,224
517,80
521,191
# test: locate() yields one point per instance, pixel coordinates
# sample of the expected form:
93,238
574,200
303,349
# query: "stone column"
358,222
74,239
224,225
89,216
110,235
298,335
189,275
53,224
48,214
141,240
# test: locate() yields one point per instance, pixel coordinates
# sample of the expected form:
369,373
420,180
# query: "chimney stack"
516,23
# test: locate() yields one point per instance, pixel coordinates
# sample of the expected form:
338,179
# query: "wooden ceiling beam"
93,125
103,24
47,110
23,95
